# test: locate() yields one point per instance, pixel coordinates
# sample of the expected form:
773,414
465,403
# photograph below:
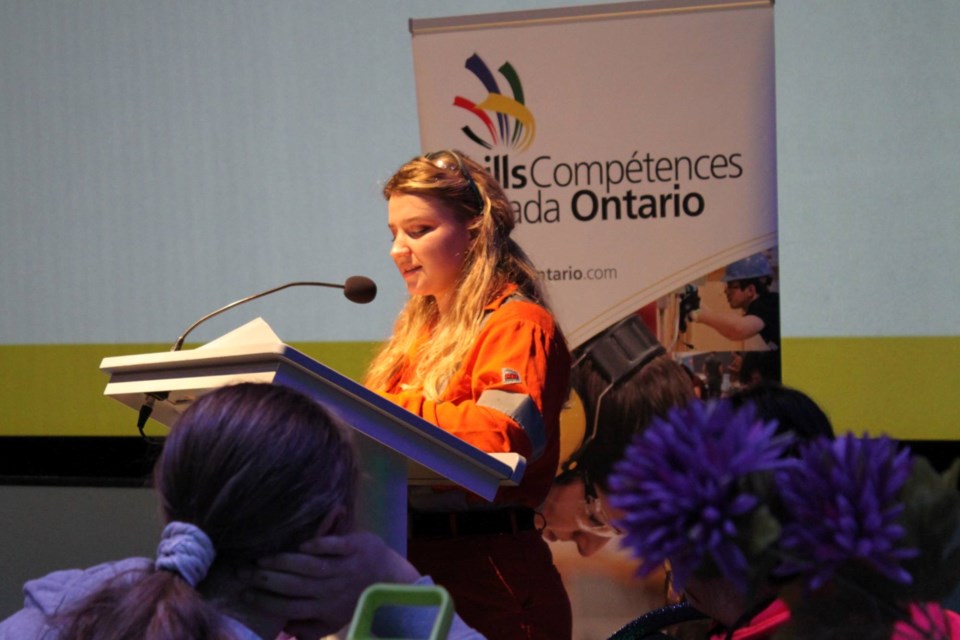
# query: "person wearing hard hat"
620,381
747,287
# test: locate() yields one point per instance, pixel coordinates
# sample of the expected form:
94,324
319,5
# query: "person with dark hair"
249,471
624,379
849,537
747,285
477,351
795,412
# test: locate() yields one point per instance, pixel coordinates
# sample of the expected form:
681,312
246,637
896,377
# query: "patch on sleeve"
510,376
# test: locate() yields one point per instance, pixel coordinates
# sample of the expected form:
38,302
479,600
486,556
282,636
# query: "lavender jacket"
60,590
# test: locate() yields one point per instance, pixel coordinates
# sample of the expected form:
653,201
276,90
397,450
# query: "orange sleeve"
507,395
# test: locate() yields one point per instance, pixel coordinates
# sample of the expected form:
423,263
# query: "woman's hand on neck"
223,588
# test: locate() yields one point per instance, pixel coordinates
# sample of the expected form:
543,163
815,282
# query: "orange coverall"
505,397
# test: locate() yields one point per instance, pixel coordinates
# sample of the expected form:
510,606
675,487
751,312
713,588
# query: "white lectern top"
435,456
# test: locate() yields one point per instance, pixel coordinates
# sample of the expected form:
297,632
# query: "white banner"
637,142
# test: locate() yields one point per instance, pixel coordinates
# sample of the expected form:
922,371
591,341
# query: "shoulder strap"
516,296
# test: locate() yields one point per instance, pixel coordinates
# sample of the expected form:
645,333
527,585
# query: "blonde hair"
493,261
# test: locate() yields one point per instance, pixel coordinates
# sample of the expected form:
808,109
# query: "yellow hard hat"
573,428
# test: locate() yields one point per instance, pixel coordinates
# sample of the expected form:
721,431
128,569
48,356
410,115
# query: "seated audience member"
624,379
794,411
249,471
848,538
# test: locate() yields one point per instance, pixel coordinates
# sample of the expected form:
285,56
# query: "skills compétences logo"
515,126
547,189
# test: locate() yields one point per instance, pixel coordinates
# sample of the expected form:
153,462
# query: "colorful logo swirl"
515,126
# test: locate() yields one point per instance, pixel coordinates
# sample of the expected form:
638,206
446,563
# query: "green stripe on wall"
57,390
904,387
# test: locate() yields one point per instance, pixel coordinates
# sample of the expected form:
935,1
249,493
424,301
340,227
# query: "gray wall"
43,529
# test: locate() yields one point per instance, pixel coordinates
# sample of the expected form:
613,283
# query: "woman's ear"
336,522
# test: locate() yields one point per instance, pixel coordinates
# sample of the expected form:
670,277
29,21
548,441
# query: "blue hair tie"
185,550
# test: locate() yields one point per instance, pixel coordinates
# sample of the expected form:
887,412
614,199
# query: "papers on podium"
254,353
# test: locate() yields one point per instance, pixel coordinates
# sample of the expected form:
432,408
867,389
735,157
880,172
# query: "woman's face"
564,513
429,245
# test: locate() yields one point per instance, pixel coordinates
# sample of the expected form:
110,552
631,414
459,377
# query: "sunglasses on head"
451,161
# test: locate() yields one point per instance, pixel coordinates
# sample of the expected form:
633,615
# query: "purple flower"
682,488
842,505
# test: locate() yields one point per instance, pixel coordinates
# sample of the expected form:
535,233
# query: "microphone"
359,289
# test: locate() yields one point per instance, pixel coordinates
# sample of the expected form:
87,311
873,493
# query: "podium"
396,447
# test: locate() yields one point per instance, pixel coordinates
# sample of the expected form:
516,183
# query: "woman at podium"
476,351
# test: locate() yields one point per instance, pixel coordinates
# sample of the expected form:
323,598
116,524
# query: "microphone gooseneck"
359,289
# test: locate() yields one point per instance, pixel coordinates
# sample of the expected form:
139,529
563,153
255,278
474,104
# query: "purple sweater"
60,590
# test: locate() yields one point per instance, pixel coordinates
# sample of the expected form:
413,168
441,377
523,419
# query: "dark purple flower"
842,505
681,486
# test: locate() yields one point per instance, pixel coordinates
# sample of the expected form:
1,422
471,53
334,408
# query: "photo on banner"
637,143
